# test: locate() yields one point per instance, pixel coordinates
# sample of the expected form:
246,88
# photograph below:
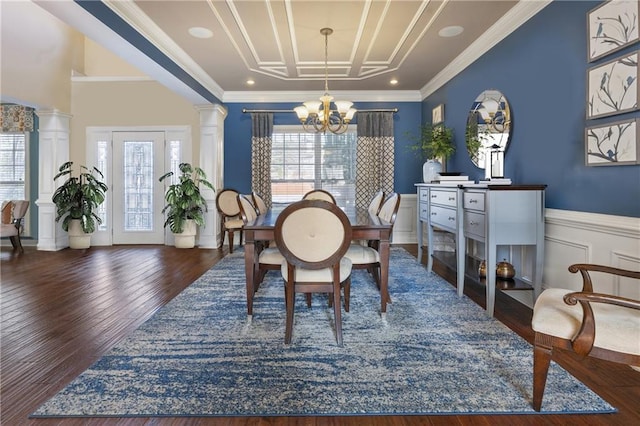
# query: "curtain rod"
244,110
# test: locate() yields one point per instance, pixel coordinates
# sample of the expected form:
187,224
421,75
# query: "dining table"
365,226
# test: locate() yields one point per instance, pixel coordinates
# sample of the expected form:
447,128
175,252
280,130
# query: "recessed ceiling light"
251,82
451,31
393,82
200,32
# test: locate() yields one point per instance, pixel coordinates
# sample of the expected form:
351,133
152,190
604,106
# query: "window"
13,166
303,161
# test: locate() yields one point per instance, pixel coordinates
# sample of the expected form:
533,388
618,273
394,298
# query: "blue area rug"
433,353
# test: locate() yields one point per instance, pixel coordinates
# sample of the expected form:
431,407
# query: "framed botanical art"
437,114
613,144
612,26
612,88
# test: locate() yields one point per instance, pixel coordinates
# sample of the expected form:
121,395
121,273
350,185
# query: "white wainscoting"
570,237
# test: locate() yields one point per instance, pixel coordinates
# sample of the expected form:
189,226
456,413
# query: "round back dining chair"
313,236
367,256
259,203
319,194
230,220
376,203
269,258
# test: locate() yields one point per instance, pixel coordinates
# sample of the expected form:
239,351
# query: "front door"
138,162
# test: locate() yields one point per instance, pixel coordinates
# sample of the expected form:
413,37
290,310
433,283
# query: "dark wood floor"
62,310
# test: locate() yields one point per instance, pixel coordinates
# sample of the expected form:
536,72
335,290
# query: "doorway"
137,195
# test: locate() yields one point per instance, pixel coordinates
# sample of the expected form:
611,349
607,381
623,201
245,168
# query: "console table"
491,214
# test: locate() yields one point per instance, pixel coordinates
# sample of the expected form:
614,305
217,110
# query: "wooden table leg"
249,268
384,274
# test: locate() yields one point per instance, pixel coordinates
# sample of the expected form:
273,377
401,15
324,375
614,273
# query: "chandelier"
317,116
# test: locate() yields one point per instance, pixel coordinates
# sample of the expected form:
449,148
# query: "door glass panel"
102,165
138,186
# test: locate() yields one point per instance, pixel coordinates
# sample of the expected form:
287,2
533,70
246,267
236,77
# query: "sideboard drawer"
423,193
445,198
474,224
444,217
424,212
474,201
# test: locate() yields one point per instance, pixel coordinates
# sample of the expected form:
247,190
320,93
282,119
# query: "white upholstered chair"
13,213
590,324
269,258
367,256
376,203
319,194
313,236
230,220
259,203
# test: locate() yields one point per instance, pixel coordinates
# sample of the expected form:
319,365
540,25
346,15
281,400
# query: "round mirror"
488,126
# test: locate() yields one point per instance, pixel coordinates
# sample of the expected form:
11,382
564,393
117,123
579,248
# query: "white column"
53,151
211,161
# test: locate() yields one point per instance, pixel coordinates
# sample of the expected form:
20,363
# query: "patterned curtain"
374,156
16,118
261,131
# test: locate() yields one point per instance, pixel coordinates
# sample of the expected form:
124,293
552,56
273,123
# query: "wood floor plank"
61,311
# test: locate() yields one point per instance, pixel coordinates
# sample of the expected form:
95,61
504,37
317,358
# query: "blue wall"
237,141
541,68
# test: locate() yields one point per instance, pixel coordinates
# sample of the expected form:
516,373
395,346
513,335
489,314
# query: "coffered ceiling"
277,44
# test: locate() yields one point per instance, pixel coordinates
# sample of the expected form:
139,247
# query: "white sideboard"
494,215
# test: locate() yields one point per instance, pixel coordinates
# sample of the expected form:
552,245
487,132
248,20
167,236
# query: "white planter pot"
187,238
78,239
430,170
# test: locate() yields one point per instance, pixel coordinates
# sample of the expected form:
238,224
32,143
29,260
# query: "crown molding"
301,96
102,79
512,20
135,17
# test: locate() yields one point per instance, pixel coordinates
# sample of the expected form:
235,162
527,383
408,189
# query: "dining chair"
269,258
13,213
230,220
319,194
313,236
376,203
604,326
367,256
259,203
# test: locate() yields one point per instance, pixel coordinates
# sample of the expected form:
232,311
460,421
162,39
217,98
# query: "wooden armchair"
603,326
13,213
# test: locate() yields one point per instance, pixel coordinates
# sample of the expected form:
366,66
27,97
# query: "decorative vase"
78,239
187,238
505,270
482,269
430,170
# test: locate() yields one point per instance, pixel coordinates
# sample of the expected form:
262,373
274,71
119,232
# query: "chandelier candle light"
317,116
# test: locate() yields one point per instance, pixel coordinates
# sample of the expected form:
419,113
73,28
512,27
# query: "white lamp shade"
301,112
343,106
350,114
313,107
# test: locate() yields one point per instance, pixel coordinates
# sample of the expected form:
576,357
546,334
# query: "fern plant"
183,199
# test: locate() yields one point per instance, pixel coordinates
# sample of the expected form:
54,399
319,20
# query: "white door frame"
95,135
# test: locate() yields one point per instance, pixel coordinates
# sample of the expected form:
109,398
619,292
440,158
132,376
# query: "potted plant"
185,204
76,201
434,144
